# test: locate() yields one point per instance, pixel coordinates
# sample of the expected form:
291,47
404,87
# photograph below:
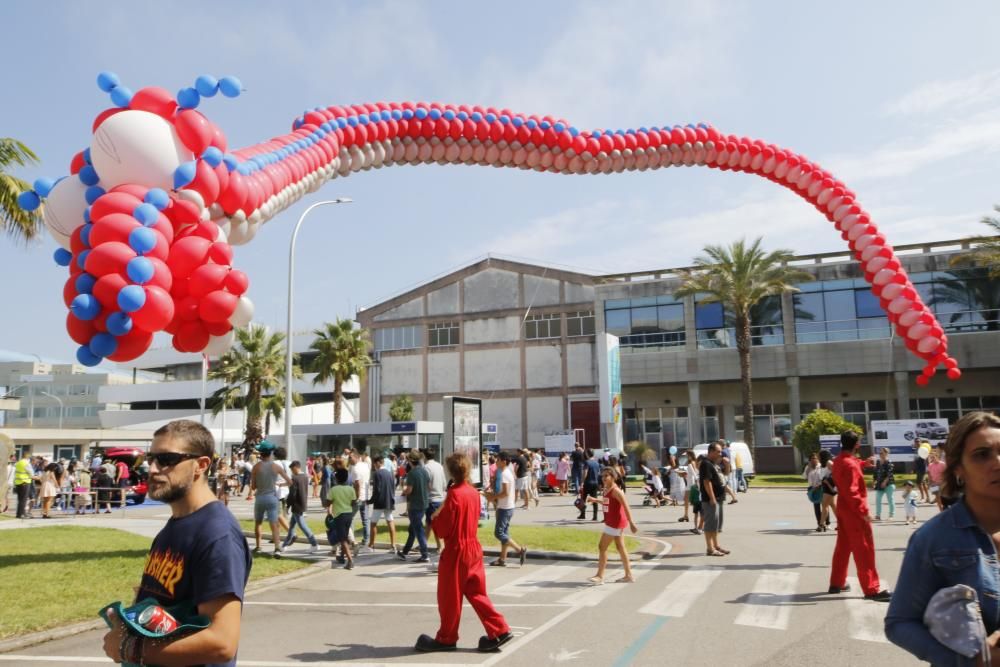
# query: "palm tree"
20,224
341,352
970,289
987,251
253,371
739,277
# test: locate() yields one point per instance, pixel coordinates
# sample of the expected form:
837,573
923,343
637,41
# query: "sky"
900,100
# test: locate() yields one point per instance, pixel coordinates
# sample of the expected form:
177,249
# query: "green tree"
986,251
740,276
341,352
817,423
641,451
401,409
20,224
253,371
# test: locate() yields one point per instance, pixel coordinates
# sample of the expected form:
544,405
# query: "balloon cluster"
152,140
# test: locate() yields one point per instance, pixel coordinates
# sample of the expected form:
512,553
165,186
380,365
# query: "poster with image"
900,435
463,432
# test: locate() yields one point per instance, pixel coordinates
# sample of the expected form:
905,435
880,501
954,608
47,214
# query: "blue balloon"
158,198
673,450
142,240
147,214
121,96
131,298
188,98
184,174
86,214
86,156
86,306
213,156
85,234
231,161
119,324
86,357
207,86
81,259
85,283
103,345
88,175
29,200
107,81
230,86
62,257
93,193
140,270
43,186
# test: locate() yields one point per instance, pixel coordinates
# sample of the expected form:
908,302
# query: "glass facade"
716,327
952,407
646,322
398,338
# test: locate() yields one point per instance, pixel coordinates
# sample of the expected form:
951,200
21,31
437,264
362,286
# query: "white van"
737,448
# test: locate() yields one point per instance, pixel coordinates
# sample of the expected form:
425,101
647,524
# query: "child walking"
338,518
616,516
910,503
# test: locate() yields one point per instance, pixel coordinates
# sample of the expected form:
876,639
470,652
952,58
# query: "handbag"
815,494
954,619
580,503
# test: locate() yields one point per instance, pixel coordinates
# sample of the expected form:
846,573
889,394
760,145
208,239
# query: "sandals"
499,563
625,580
713,552
725,552
597,581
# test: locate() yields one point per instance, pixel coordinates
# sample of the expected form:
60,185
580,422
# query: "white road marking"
682,592
767,605
532,583
527,638
365,603
590,595
565,655
866,618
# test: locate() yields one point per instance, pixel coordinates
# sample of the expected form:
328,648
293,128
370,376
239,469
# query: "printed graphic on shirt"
166,567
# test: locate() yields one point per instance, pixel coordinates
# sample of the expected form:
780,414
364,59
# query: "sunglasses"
169,459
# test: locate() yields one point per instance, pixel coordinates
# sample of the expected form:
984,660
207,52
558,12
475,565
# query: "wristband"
122,646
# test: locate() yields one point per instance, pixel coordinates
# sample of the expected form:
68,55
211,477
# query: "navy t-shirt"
197,558
593,473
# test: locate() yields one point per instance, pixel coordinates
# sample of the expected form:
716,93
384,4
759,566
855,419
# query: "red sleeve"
444,523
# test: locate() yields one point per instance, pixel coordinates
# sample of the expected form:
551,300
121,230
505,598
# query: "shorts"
613,532
920,477
521,483
341,528
429,512
378,515
711,514
502,529
696,507
265,506
124,484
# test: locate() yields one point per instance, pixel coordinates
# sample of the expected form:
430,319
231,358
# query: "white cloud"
950,96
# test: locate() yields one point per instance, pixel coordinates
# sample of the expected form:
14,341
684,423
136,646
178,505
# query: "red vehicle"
133,458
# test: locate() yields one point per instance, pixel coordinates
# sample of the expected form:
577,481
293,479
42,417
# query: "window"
397,338
67,452
442,334
645,322
716,327
580,323
618,322
543,326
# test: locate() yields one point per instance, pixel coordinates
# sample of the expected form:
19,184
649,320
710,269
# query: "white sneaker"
314,549
364,549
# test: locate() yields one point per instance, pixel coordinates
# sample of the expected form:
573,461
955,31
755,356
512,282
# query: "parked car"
133,458
932,430
749,471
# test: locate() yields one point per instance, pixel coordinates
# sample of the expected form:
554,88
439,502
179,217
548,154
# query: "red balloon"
111,257
221,253
112,227
101,321
192,336
176,342
194,130
922,380
218,138
237,282
954,373
207,278
179,289
217,306
154,100
81,331
114,202
205,183
162,277
157,312
231,200
77,163
218,328
183,212
132,345
187,309
103,116
106,290
69,291
186,255
76,245
137,191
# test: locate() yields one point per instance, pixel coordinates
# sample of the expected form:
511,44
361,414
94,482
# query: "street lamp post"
288,341
62,407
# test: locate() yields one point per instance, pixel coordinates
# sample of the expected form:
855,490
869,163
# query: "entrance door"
586,415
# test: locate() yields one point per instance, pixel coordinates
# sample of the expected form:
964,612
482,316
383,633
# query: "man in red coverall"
854,529
460,568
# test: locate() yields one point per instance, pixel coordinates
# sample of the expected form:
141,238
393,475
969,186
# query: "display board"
463,419
900,435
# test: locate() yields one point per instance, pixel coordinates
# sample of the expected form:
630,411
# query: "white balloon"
918,331
876,264
137,147
929,344
239,232
910,317
883,277
899,304
192,196
243,313
219,344
63,210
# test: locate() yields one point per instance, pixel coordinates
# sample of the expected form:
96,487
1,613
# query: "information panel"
463,419
899,435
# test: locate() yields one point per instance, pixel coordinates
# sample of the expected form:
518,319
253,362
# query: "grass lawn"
543,538
793,481
64,574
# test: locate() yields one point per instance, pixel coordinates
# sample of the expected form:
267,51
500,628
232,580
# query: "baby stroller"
654,492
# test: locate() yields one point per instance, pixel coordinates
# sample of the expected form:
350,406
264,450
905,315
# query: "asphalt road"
764,604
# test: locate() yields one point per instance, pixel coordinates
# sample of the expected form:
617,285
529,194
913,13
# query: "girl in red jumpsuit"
460,568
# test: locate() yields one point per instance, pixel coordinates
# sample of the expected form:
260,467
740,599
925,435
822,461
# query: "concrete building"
521,337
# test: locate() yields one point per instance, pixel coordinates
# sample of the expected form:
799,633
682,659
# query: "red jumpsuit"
854,531
460,569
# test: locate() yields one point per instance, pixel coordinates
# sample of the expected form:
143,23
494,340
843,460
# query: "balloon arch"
148,217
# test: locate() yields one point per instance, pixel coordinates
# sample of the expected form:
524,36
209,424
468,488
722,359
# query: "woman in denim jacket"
958,546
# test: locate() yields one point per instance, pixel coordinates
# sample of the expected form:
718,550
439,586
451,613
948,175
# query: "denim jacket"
949,549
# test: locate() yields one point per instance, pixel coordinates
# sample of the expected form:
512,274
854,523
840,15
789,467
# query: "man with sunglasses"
200,556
